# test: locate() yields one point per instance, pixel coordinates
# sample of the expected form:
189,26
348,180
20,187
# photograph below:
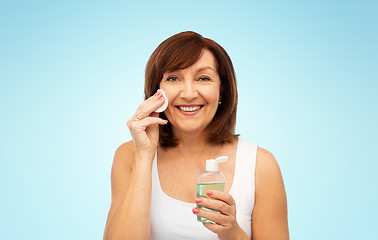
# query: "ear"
221,92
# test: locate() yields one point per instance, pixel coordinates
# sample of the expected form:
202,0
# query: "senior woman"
154,175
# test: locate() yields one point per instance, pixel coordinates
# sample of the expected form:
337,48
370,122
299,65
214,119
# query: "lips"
189,108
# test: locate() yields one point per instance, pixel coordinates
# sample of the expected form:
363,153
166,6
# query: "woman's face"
193,94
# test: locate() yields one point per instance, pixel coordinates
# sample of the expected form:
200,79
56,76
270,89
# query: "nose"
189,91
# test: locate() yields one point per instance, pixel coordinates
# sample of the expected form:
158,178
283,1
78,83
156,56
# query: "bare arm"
129,214
269,218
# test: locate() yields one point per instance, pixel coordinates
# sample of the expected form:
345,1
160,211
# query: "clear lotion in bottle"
210,179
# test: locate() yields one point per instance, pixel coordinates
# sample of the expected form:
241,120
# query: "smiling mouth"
189,108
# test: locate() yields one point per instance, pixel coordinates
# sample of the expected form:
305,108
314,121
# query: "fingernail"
209,193
195,210
198,200
157,93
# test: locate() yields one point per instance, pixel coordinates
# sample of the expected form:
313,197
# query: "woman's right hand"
144,125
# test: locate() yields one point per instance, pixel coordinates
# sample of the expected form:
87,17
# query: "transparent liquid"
202,188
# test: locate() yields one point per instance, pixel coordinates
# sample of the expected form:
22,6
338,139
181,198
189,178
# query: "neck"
194,145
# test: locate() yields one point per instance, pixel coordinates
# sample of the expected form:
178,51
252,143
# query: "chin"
190,128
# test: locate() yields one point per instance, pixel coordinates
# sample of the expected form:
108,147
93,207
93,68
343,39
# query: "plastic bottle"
210,179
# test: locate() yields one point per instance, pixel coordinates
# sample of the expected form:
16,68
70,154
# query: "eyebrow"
198,69
205,68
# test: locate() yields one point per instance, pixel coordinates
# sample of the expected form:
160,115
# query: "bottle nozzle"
221,159
212,164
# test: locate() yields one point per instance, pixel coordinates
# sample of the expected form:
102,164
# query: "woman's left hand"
225,224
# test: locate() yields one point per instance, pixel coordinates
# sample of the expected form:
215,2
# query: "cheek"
169,94
213,95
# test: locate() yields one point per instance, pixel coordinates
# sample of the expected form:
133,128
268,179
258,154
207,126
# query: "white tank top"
172,219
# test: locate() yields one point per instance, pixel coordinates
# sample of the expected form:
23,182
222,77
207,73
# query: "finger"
154,114
146,122
225,197
149,106
216,217
215,228
143,124
217,205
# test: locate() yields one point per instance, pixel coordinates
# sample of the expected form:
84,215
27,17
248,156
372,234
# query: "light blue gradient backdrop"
72,74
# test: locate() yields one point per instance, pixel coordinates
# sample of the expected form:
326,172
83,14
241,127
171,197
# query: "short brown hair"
179,52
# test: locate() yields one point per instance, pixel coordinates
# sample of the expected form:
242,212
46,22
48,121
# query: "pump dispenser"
210,179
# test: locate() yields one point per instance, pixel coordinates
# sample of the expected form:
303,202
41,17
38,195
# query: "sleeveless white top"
172,219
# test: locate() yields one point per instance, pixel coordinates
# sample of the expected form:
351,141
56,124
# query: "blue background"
72,74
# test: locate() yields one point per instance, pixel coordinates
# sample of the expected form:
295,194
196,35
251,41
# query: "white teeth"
189,109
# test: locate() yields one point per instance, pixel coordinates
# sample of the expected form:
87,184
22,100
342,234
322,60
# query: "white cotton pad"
165,105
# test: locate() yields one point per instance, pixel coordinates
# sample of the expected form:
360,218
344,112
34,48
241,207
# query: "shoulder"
268,173
124,157
122,166
125,148
266,162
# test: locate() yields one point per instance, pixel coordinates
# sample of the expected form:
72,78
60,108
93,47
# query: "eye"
204,79
172,79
